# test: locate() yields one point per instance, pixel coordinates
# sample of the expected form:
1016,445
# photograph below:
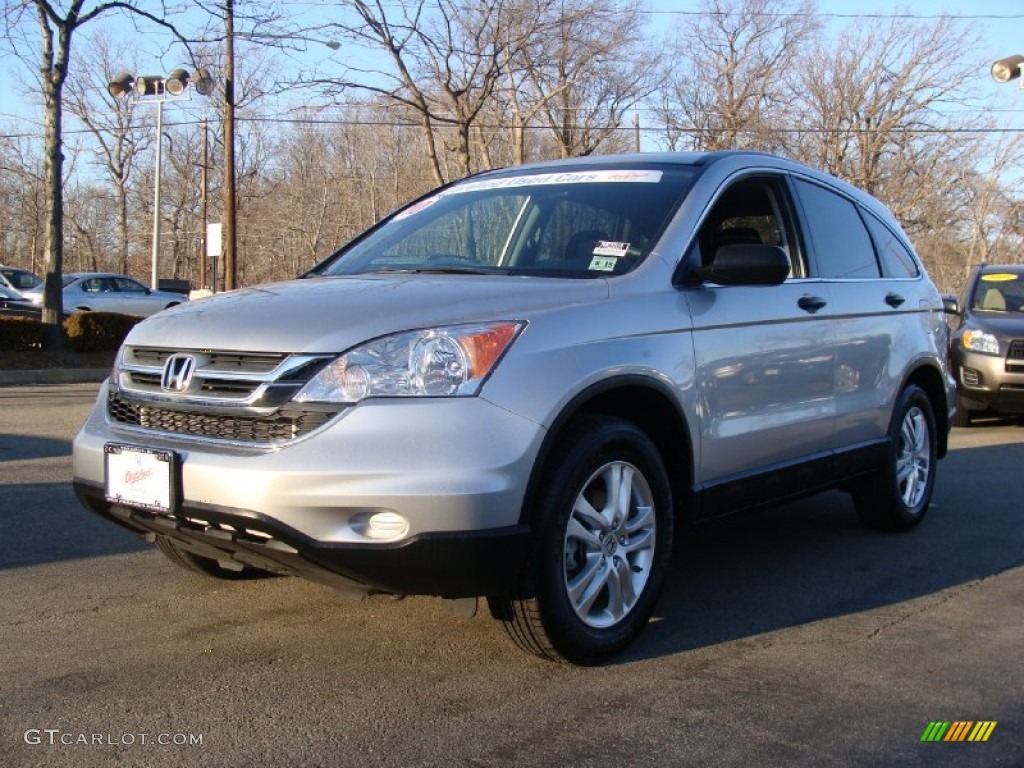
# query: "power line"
284,120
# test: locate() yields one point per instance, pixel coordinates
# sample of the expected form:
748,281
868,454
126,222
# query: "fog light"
970,377
381,526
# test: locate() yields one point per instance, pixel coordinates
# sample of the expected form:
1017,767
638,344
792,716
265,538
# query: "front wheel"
603,540
897,495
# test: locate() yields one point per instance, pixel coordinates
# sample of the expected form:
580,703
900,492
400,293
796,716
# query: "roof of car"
97,274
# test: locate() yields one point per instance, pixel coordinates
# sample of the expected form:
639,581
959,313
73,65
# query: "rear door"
876,297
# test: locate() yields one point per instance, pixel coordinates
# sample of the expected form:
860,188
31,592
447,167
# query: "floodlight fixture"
1005,70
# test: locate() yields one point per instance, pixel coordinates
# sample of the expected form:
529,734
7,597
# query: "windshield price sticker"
608,248
139,477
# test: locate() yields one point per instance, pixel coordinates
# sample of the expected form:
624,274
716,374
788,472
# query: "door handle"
811,303
894,299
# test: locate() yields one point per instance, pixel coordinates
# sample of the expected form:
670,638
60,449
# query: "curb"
18,378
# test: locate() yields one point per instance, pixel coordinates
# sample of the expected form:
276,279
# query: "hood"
332,314
999,323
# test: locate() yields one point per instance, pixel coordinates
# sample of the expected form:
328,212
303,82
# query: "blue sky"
999,22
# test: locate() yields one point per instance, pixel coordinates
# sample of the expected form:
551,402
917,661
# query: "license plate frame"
141,477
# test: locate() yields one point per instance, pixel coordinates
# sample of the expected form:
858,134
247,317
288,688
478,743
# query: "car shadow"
27,447
44,523
812,560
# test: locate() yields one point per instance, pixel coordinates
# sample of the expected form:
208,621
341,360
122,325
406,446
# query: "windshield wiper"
434,271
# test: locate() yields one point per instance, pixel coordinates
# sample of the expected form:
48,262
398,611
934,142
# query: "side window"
841,244
897,260
753,210
124,285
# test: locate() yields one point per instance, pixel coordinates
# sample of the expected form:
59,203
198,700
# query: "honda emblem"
178,371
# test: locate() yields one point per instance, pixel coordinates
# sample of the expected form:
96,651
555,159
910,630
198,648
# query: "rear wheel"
603,539
897,495
203,565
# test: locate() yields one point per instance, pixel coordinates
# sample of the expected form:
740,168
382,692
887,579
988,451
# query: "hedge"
83,332
97,331
19,334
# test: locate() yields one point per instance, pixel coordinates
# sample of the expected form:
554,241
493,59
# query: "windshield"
999,292
21,280
591,223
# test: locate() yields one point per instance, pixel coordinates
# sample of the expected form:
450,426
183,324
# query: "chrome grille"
257,379
232,396
1015,357
277,428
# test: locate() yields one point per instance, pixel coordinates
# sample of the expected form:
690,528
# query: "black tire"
204,565
896,497
597,567
963,415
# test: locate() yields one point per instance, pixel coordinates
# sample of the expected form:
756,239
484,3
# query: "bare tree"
117,141
56,28
24,204
866,98
446,59
727,87
582,75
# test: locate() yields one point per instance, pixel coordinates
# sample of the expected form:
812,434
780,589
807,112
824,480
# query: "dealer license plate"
140,477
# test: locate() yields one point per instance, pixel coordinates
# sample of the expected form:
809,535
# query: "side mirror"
745,264
950,304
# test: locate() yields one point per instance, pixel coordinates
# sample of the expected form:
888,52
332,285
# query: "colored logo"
958,730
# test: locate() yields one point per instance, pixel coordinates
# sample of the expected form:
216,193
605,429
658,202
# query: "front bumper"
451,565
454,469
989,382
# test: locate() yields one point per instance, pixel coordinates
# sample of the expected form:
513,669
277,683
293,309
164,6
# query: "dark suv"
987,346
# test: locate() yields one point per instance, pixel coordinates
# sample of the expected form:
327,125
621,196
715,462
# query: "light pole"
157,89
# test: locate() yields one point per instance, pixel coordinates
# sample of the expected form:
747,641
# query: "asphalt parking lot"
792,637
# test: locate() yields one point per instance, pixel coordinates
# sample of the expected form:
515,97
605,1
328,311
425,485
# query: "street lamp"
158,89
1005,70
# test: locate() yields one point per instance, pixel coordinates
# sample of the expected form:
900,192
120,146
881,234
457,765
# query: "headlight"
434,362
979,341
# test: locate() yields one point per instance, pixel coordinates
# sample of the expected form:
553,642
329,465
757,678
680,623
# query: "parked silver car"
26,283
109,292
521,384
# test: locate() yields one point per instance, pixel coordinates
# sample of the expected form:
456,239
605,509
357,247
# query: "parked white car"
109,292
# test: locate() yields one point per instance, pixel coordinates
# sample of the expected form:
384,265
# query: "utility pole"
155,258
203,205
230,264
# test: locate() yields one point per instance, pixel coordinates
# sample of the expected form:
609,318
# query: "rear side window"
897,260
841,244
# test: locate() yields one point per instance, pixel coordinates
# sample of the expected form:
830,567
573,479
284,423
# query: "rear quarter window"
896,258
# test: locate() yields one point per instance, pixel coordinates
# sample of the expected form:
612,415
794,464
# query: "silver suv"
520,384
